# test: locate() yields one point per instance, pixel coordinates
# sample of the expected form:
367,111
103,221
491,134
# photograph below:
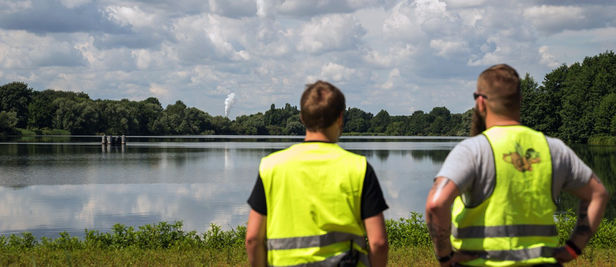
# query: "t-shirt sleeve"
460,166
257,197
570,172
372,200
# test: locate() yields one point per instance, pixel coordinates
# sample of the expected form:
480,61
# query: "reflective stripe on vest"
314,241
313,198
331,261
504,231
515,224
516,255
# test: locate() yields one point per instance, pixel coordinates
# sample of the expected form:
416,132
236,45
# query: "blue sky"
400,56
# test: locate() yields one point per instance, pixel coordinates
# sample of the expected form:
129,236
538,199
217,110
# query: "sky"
400,56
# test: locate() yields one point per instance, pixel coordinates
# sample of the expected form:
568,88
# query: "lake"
53,184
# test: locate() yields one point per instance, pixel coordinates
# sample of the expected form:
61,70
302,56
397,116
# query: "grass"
166,244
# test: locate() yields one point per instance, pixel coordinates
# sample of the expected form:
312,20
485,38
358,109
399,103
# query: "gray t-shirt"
470,165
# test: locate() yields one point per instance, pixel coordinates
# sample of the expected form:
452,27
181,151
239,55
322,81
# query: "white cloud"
158,90
334,72
393,56
464,3
312,8
449,49
546,58
401,23
553,19
332,32
8,7
133,16
19,49
264,8
393,75
199,51
205,38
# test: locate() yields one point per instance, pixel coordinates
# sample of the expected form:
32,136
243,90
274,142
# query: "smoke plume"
228,103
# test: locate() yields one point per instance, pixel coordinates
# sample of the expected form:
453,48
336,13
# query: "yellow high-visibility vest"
313,196
515,224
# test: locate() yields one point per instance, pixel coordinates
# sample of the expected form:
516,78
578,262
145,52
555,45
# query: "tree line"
51,111
573,103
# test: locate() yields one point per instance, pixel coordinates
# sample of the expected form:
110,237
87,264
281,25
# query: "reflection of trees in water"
602,160
436,156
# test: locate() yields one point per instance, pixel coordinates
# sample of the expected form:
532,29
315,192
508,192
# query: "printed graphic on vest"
522,160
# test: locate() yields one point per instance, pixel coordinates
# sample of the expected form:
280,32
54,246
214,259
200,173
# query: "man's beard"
478,124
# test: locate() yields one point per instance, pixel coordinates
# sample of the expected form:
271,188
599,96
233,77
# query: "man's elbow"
379,245
253,242
603,195
598,191
435,207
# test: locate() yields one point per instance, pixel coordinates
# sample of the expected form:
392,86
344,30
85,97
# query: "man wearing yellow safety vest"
493,201
314,203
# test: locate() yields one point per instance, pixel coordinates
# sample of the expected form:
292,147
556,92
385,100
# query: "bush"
406,232
402,233
602,140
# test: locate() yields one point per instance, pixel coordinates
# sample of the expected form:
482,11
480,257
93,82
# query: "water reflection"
48,187
602,159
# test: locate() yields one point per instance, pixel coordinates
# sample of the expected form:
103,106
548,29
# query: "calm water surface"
49,185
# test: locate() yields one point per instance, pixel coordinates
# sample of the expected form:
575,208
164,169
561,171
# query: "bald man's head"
501,85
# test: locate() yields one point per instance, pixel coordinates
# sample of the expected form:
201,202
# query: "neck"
327,135
499,120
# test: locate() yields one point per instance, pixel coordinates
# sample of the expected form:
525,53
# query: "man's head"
321,106
500,85
498,93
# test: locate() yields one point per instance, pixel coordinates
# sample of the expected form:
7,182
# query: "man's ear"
301,119
481,105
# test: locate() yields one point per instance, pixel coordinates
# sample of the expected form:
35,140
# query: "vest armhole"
489,193
552,174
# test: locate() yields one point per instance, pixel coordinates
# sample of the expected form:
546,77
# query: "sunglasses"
476,95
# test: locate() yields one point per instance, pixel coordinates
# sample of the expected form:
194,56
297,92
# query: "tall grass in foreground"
167,244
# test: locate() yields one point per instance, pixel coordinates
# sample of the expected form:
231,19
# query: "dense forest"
60,112
574,103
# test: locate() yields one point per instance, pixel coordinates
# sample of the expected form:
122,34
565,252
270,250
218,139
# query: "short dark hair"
501,84
321,104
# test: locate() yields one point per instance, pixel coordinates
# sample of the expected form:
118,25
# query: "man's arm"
377,238
593,199
438,218
255,239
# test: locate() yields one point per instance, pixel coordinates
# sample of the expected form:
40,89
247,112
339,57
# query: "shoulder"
473,145
351,154
274,158
556,144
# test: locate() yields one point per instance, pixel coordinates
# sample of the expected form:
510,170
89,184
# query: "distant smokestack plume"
228,103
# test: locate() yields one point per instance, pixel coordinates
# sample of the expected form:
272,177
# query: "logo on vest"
522,160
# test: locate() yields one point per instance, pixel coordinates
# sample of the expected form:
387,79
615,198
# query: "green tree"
16,97
42,108
418,123
294,126
585,85
150,110
379,123
77,117
605,113
8,121
356,120
440,124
